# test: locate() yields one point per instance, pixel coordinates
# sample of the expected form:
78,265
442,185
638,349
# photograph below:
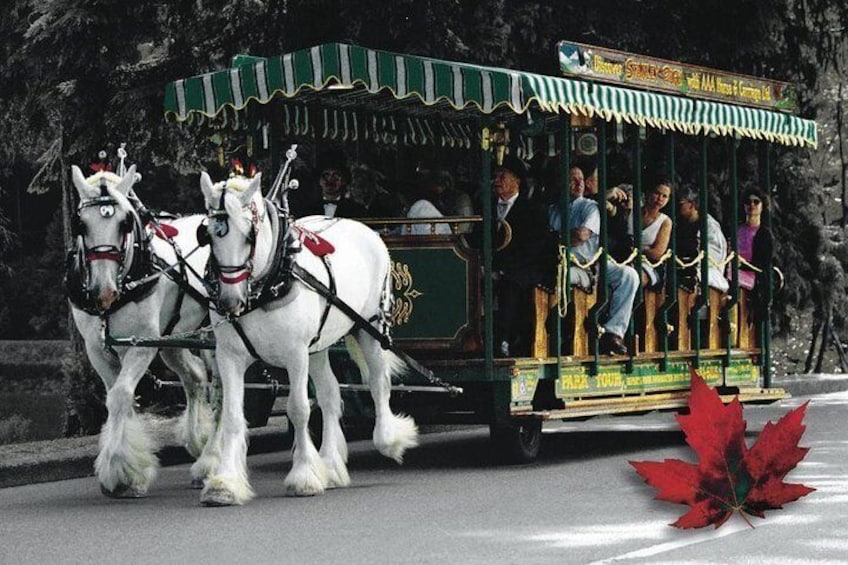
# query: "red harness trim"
103,255
234,280
163,231
314,242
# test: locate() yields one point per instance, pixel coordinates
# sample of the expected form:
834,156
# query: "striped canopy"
348,74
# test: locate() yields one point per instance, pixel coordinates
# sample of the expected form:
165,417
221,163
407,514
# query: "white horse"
110,240
288,332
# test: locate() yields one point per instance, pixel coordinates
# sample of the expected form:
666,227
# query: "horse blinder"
202,235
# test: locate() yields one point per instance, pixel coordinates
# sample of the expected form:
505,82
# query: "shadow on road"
472,449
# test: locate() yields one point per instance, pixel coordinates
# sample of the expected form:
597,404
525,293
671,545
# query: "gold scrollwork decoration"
405,294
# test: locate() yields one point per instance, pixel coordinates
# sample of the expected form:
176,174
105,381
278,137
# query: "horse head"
235,212
103,226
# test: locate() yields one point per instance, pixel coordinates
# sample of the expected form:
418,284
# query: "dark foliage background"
82,75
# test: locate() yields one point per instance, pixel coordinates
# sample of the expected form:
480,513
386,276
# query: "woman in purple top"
755,246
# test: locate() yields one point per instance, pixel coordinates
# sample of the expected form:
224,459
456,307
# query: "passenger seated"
367,190
623,281
755,246
439,199
689,238
656,232
620,240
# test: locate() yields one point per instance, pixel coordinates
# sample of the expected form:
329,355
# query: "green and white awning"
349,70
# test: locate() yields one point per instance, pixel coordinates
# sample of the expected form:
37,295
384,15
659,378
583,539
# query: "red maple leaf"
729,477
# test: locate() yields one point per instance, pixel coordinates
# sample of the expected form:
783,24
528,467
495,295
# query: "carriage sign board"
619,67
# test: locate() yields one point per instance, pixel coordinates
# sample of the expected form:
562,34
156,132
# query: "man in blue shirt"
623,281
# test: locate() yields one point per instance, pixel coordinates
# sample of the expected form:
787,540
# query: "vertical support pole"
565,222
274,143
765,324
671,266
637,236
731,307
488,289
603,294
703,299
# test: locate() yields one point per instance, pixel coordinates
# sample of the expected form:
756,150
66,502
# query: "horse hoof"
216,497
196,484
123,491
303,491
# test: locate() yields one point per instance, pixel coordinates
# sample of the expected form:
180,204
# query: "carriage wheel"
517,442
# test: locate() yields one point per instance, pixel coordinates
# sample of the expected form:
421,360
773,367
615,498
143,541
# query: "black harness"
141,275
79,256
277,282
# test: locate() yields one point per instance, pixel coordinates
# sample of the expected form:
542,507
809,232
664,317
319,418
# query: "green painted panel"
430,286
741,373
646,377
524,382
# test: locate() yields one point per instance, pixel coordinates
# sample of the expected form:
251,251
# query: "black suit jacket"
345,208
527,259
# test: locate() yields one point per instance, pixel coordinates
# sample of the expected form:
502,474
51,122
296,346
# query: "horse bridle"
107,205
220,227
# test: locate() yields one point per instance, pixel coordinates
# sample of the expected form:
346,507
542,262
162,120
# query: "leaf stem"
747,521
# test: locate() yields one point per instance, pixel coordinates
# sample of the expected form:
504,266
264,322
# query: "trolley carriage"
444,288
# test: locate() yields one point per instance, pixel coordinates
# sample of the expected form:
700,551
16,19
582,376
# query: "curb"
807,385
73,458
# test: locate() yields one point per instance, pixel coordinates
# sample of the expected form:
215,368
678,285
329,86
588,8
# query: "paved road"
580,503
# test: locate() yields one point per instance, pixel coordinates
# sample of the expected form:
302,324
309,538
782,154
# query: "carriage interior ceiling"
418,96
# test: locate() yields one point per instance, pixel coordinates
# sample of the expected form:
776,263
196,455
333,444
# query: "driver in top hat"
521,260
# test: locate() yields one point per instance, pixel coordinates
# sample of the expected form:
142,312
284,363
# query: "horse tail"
358,357
395,365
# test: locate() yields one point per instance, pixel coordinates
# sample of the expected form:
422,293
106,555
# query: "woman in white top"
656,232
440,199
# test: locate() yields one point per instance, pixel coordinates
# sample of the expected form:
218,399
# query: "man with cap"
521,257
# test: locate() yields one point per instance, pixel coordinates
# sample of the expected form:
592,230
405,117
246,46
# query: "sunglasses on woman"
753,201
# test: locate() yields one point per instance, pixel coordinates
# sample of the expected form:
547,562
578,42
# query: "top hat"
516,165
334,159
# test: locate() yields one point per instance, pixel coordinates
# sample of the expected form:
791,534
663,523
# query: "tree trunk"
844,176
817,324
825,333
837,343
